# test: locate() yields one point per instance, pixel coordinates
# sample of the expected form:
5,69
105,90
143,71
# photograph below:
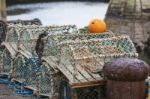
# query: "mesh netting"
26,69
108,46
97,92
89,55
35,76
19,68
33,71
6,62
67,54
27,35
1,59
25,40
48,83
12,35
34,21
53,39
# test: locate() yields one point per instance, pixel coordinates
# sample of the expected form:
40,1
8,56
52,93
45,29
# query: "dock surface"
6,93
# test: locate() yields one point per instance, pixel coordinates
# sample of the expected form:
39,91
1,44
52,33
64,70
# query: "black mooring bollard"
126,78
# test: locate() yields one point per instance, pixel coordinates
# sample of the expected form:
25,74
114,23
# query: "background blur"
57,12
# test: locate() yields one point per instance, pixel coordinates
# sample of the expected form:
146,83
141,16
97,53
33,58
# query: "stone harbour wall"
138,30
131,17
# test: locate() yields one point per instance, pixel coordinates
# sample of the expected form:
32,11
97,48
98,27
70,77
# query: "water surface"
60,13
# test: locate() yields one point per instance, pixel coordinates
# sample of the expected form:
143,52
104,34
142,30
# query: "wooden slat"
25,52
10,49
78,75
31,88
68,71
18,80
3,13
50,62
85,73
4,73
95,76
88,84
14,46
46,95
63,69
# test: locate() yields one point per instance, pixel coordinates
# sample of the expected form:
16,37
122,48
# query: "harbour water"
60,13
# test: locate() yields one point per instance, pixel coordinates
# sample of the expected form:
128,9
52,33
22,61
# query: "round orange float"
96,26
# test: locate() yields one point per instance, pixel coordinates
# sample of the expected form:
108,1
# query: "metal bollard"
126,78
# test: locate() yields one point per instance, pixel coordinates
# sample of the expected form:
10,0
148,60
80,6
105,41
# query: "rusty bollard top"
126,69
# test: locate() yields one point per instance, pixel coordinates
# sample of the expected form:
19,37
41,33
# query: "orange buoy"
96,26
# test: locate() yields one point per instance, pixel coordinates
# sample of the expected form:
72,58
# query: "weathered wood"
31,87
4,73
46,95
3,13
88,84
18,80
49,60
125,90
84,73
2,31
126,78
10,48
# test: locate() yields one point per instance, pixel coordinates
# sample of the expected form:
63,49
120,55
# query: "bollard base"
125,89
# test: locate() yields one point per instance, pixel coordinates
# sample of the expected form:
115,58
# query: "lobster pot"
6,62
96,92
33,70
52,40
12,34
106,46
19,69
25,73
21,35
93,63
80,58
51,79
25,40
64,29
25,22
27,35
48,82
77,60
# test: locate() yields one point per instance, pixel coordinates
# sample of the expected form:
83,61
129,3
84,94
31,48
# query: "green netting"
18,68
92,54
6,62
25,40
32,74
47,83
27,35
24,72
45,80
12,35
53,40
1,59
68,47
106,46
